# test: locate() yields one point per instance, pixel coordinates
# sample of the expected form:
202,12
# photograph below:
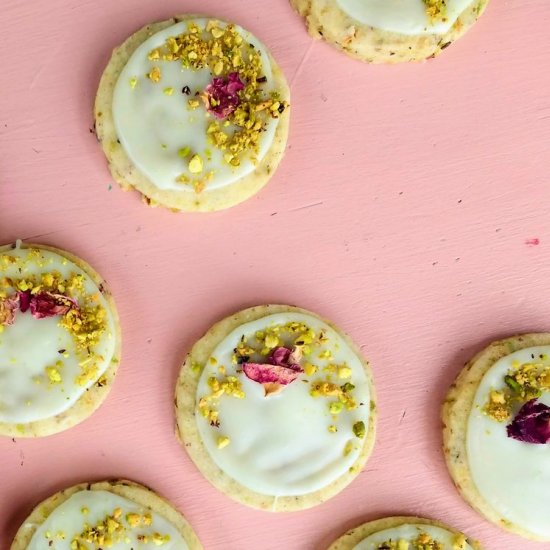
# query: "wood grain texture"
401,212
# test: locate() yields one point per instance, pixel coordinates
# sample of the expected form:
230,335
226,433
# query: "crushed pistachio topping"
350,446
223,442
359,429
229,386
239,97
154,74
436,10
459,542
523,382
196,164
114,529
424,541
53,373
50,294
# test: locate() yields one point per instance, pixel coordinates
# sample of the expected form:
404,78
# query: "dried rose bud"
8,306
279,356
49,304
285,357
221,95
531,424
277,372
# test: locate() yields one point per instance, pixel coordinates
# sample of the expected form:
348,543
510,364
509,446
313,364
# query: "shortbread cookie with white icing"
59,340
404,533
497,434
193,113
276,407
390,31
110,514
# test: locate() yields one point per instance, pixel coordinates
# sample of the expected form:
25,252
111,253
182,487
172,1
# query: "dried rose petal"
49,304
279,356
266,373
8,306
277,371
285,357
224,93
531,424
24,301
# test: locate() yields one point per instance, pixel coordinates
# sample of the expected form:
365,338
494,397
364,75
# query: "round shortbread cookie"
193,113
276,407
130,514
390,31
59,340
402,532
496,422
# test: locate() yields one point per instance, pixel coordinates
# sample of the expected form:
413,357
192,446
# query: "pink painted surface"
407,208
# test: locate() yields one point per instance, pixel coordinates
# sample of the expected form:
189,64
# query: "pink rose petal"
224,90
277,370
279,356
49,304
8,307
531,424
24,301
266,373
285,357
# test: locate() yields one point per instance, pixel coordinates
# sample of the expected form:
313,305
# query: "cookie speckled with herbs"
108,514
497,434
404,533
276,407
193,113
392,31
59,340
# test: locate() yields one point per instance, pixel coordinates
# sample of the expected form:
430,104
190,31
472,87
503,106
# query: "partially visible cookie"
120,514
404,533
497,434
59,340
390,31
276,407
193,113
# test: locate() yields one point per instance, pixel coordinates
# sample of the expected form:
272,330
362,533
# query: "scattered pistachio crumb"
359,429
184,151
154,75
196,164
223,442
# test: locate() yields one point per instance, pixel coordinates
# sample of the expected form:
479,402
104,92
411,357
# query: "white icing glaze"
407,17
146,118
512,476
280,445
30,345
68,519
409,532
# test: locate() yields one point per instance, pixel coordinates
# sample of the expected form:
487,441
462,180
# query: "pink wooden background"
403,211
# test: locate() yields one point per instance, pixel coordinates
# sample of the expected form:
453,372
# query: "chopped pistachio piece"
223,442
359,429
196,165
